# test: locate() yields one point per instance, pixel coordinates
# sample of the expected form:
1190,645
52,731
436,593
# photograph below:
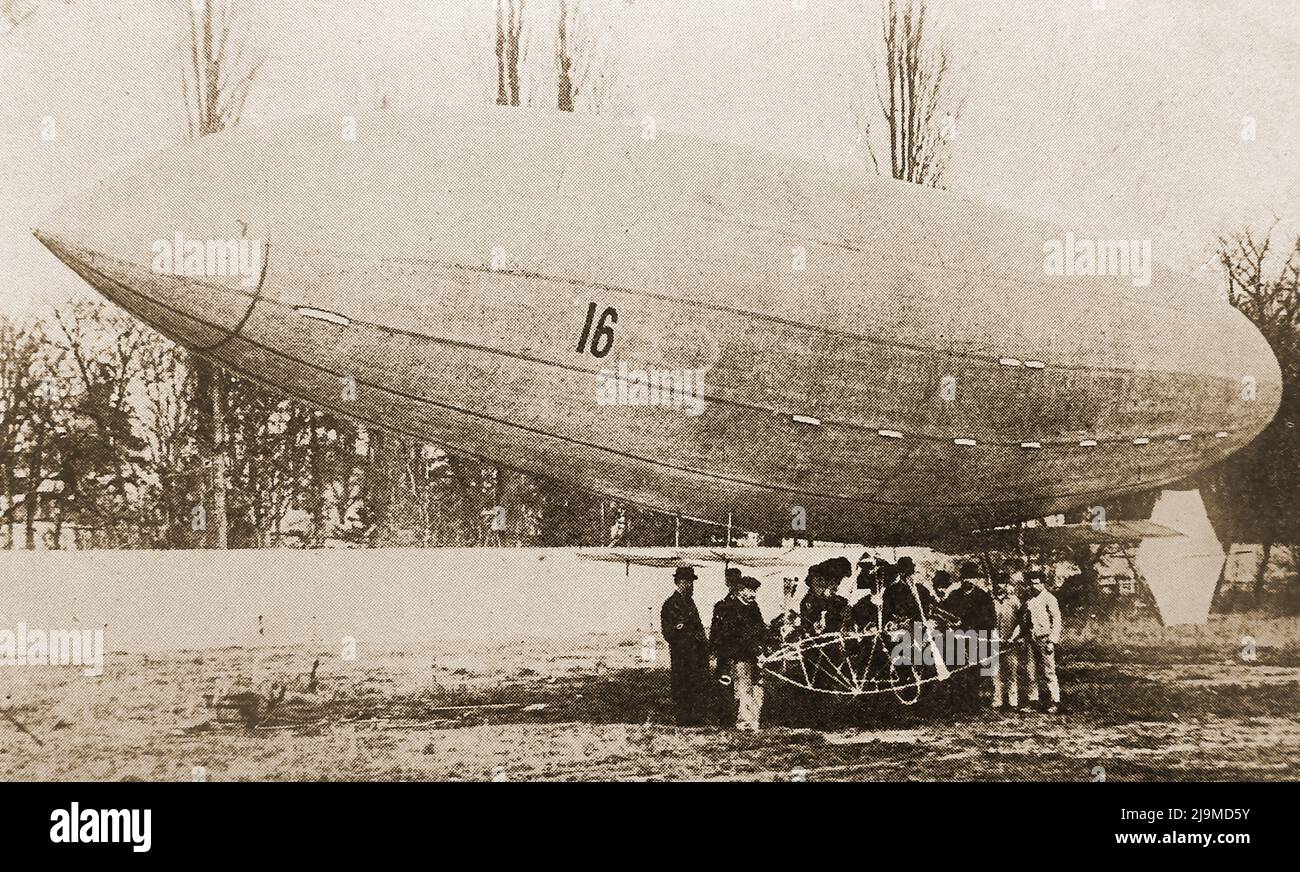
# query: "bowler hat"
684,572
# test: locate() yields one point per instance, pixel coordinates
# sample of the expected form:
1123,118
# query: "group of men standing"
737,638
1015,634
1011,633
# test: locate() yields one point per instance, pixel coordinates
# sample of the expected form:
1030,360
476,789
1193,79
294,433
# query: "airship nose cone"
52,240
74,250
58,232
156,242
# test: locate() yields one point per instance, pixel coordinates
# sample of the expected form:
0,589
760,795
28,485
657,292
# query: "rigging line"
257,296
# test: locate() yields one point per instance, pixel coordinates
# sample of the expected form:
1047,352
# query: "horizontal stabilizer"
1087,533
664,557
640,558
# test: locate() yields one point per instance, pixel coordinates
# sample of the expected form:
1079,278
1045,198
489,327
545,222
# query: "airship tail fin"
1181,571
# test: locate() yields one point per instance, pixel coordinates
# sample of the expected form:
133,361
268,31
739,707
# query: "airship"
706,329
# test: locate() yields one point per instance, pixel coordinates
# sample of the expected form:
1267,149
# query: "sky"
1120,122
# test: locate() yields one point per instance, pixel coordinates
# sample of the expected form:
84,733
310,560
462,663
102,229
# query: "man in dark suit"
823,610
739,636
906,602
873,580
976,615
688,649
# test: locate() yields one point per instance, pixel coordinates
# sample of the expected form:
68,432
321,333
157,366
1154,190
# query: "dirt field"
1143,702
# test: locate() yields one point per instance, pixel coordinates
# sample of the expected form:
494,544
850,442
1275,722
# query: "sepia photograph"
649,390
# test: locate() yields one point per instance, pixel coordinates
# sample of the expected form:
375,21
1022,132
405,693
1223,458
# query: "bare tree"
217,71
168,425
23,371
1272,304
585,71
564,59
14,13
99,444
40,422
43,392
1254,496
913,96
509,50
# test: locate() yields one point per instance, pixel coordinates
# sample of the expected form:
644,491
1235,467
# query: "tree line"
1254,495
101,445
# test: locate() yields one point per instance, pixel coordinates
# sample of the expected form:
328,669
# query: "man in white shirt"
1005,665
1042,631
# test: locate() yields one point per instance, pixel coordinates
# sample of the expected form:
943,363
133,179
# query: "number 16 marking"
603,339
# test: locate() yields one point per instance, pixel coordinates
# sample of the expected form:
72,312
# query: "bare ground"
1144,704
